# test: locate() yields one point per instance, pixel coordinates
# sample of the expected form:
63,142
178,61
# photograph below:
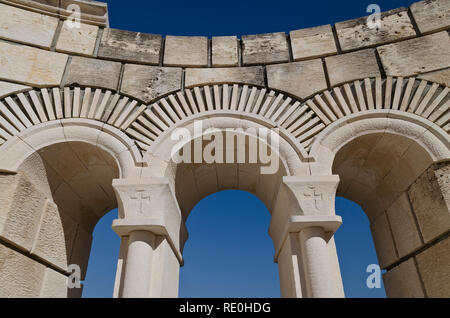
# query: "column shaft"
316,261
139,264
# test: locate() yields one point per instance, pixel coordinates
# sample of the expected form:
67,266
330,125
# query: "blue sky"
229,253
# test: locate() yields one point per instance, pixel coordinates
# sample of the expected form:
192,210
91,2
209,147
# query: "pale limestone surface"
434,269
224,50
430,199
31,66
406,234
312,42
130,46
54,285
22,207
26,26
149,82
300,79
77,40
441,77
395,25
431,15
403,281
247,75
351,66
93,72
22,275
186,51
7,88
415,56
264,48
55,237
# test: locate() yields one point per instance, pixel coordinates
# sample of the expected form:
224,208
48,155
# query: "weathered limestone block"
93,72
224,51
440,77
21,207
31,66
384,243
7,88
431,15
189,51
56,237
395,25
312,42
26,26
352,66
403,281
245,75
264,48
430,199
404,229
20,276
416,56
130,46
434,268
148,82
301,79
77,40
54,285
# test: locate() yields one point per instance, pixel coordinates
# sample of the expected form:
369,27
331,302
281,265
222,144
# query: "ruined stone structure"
86,116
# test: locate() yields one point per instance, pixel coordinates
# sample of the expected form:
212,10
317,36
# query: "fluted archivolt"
304,120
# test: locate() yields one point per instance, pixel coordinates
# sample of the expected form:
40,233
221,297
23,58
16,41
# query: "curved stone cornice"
299,121
92,12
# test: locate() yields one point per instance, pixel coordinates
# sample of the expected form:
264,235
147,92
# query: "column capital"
329,223
315,194
149,204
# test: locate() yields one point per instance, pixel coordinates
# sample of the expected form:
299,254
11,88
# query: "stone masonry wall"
412,237
45,51
38,241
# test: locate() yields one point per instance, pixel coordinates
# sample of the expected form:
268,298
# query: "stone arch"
51,203
300,122
394,164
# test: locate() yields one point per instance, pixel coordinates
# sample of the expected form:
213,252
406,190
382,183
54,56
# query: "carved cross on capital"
143,196
313,194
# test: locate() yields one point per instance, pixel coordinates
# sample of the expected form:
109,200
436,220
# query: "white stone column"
149,224
303,238
316,262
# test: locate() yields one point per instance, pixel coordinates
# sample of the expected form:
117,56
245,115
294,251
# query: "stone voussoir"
253,75
78,40
265,48
188,51
93,72
355,34
416,56
130,46
312,42
31,66
149,82
352,66
431,15
300,79
224,50
26,26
